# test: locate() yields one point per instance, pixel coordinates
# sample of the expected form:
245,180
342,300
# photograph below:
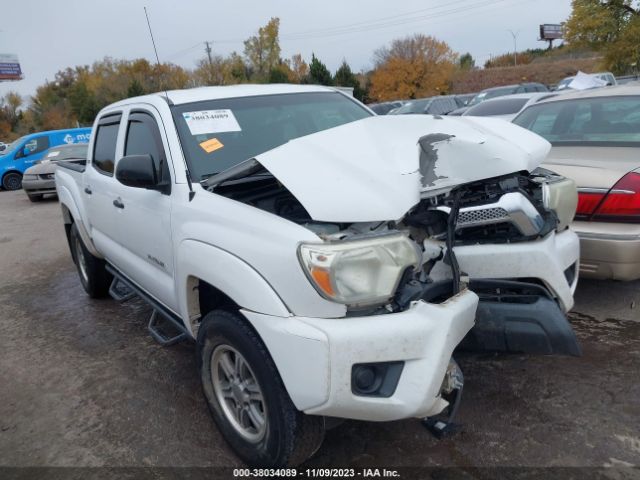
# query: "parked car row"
465,101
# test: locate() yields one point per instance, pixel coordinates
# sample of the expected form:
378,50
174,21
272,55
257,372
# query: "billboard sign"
10,67
551,31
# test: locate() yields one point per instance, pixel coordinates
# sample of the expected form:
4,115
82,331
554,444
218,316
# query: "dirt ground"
83,384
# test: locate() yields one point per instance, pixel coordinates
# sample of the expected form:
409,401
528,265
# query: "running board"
164,326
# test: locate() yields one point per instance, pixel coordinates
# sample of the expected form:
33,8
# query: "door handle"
87,190
118,203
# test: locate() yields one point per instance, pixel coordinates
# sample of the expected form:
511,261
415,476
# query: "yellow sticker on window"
211,145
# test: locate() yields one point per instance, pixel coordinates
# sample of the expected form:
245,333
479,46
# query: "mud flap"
521,318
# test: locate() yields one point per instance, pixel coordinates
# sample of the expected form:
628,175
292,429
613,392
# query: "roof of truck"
179,97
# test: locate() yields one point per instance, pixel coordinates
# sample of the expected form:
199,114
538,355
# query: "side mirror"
137,171
26,152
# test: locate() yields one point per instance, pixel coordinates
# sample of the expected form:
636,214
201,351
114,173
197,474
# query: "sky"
50,35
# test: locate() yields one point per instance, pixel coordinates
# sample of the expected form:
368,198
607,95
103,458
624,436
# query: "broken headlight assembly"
361,272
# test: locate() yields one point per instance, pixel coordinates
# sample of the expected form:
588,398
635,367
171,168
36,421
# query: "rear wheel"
34,198
92,270
12,181
247,398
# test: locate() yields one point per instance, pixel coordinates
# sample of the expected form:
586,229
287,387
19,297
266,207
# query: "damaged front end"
390,205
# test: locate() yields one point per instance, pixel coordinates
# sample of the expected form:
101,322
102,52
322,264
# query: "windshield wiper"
242,170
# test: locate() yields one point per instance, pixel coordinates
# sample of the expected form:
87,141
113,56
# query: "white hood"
378,168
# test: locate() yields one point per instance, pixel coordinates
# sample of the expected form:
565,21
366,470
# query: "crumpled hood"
378,168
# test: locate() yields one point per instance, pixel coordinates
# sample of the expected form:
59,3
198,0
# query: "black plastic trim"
519,317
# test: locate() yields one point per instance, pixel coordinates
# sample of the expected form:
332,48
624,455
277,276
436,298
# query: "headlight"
29,177
359,272
561,196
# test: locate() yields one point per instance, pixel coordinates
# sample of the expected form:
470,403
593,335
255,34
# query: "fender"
229,274
66,201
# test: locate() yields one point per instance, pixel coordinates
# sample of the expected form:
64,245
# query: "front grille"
486,216
47,176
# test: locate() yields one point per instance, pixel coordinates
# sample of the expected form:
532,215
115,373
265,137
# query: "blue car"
27,150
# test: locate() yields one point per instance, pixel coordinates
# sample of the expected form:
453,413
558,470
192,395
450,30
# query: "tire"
287,437
12,181
35,198
92,270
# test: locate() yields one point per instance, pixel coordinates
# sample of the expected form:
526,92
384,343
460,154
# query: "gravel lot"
82,384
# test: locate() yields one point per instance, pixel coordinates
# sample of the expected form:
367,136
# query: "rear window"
219,134
602,121
501,106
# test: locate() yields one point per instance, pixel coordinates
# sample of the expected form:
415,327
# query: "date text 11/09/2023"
316,472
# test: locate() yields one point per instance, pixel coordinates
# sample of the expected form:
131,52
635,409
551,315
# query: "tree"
135,89
319,74
609,27
298,69
344,77
263,50
279,74
467,62
412,67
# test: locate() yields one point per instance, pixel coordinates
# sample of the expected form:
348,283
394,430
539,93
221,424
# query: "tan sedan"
596,141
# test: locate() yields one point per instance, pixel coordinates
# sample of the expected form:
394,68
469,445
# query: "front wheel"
12,181
92,270
247,398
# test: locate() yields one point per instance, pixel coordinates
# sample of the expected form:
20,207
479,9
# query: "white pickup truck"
325,260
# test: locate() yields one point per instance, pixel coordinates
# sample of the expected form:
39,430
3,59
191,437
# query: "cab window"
104,148
143,138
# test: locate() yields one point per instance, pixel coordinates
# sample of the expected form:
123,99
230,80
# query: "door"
32,151
143,215
99,183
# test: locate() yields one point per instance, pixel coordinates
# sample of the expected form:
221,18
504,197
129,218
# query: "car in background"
607,77
440,105
463,99
596,142
39,180
385,107
507,107
500,92
27,150
3,147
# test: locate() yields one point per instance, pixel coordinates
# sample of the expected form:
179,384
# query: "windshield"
494,92
597,121
13,145
218,134
416,106
500,106
67,152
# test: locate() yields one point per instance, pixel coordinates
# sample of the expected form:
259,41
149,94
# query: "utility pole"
207,49
515,46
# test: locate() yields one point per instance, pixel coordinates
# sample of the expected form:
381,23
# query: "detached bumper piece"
443,425
519,317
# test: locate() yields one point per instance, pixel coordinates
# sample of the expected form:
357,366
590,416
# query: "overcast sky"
50,35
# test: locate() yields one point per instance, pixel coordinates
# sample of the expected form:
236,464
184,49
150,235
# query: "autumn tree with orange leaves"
413,67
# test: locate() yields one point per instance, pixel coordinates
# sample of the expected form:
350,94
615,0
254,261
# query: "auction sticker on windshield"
211,121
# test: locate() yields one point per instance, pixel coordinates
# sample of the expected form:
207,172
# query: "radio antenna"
166,94
153,42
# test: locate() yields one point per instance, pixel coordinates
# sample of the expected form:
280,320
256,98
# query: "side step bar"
162,319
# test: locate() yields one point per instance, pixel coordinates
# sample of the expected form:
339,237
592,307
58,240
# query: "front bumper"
39,186
549,259
315,357
609,250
